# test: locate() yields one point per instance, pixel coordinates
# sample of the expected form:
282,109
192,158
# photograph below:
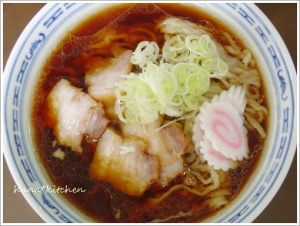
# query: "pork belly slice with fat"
103,74
122,162
75,114
171,171
167,143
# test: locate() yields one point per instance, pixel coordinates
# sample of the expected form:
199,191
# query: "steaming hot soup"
156,111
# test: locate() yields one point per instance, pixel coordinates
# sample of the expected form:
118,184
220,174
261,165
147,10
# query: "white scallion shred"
145,52
126,149
59,154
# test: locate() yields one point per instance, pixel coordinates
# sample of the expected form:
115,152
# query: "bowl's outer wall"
282,209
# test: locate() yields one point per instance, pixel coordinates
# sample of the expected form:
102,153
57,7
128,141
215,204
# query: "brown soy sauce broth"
100,201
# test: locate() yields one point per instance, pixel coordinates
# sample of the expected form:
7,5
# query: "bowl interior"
40,38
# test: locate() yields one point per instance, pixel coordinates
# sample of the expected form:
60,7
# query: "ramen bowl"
54,20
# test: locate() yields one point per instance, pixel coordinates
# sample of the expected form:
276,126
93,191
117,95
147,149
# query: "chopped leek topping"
145,52
171,85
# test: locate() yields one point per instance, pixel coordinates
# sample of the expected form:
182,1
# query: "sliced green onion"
171,86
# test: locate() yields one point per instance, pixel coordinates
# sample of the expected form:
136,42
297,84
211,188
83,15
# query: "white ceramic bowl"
52,22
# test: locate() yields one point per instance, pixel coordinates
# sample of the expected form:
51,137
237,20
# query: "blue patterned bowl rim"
18,81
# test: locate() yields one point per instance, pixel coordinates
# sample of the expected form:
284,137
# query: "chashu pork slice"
171,171
167,143
103,74
74,114
122,162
